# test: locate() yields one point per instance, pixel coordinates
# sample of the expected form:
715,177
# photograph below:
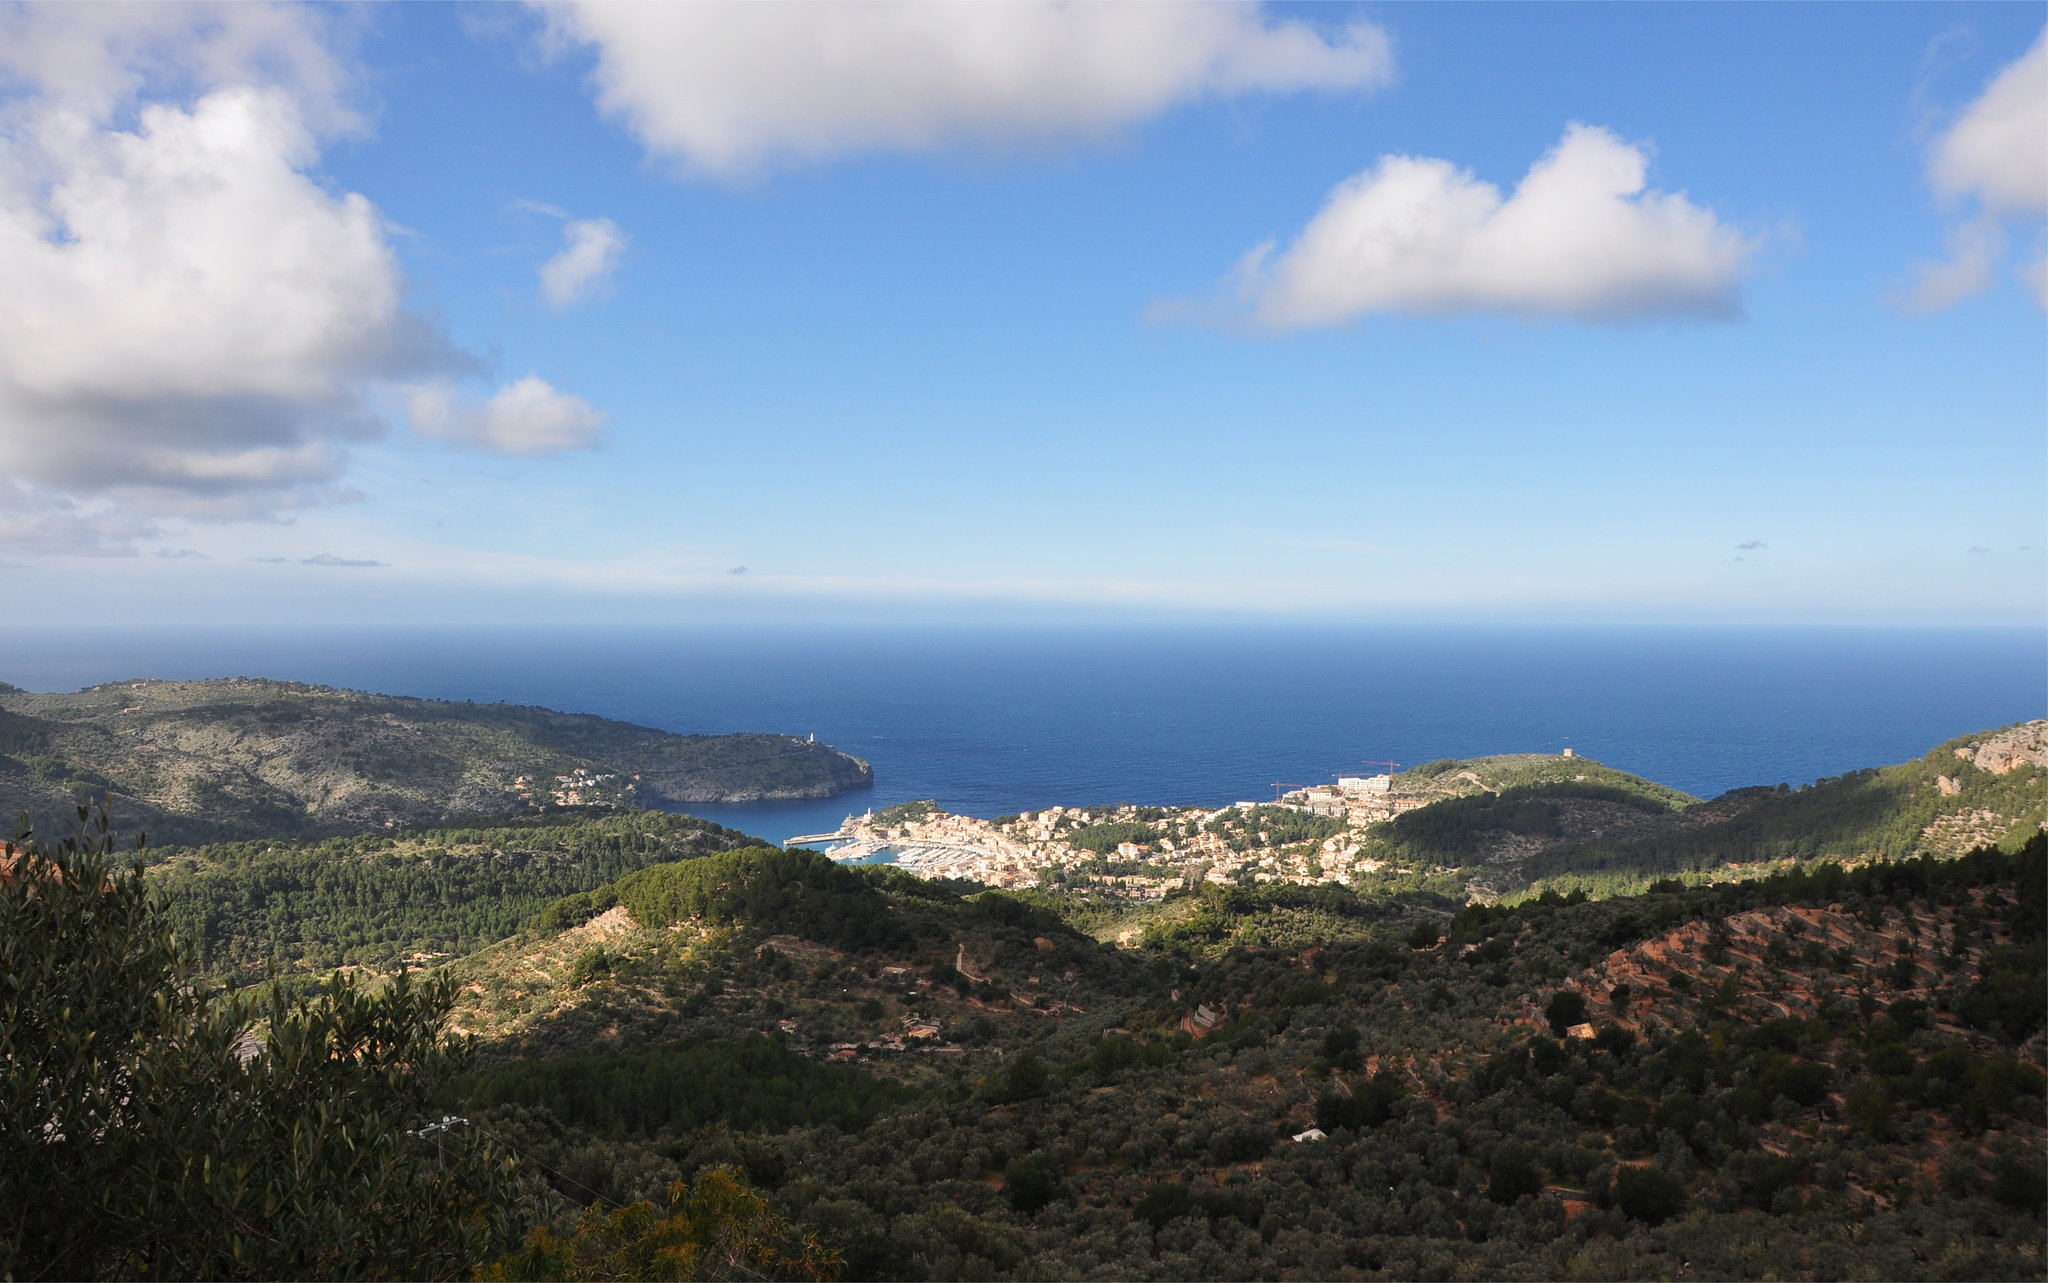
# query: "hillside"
1990,788
418,896
1830,1071
1835,1074
1454,778
825,957
1488,817
1503,823
241,758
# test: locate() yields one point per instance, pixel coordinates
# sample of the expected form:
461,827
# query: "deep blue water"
992,721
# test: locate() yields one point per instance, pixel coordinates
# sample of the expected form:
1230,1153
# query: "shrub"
136,1137
1513,1175
1024,1078
1567,1007
2019,1185
1648,1195
1031,1182
718,1228
1243,1142
1162,1203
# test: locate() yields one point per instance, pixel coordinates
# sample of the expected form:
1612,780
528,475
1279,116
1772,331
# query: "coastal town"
1351,831
1305,837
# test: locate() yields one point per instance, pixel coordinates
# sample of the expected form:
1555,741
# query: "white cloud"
1974,250
33,520
728,87
591,250
1997,153
95,59
1580,237
1994,162
192,322
186,310
526,416
2035,274
190,319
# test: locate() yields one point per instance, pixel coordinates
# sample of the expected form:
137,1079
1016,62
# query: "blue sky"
953,330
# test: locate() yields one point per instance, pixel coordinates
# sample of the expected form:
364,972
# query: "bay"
988,721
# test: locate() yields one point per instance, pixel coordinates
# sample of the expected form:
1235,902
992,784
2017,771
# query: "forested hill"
385,900
1987,789
244,758
1506,822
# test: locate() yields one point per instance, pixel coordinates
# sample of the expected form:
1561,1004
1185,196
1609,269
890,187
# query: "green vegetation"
150,1127
773,891
1101,838
1457,830
1883,812
718,1228
772,1065
1273,826
904,812
667,1090
1509,823
240,759
378,900
1505,772
1700,1125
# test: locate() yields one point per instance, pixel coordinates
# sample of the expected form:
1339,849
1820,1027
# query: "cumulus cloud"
96,59
1997,152
591,250
193,323
1580,237
527,416
1991,167
1751,545
187,311
727,88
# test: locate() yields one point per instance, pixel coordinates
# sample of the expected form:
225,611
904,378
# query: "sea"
988,721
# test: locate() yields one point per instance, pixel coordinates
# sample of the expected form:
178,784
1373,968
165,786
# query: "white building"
1357,784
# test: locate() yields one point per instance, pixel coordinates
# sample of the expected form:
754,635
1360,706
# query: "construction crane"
1391,766
1280,789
